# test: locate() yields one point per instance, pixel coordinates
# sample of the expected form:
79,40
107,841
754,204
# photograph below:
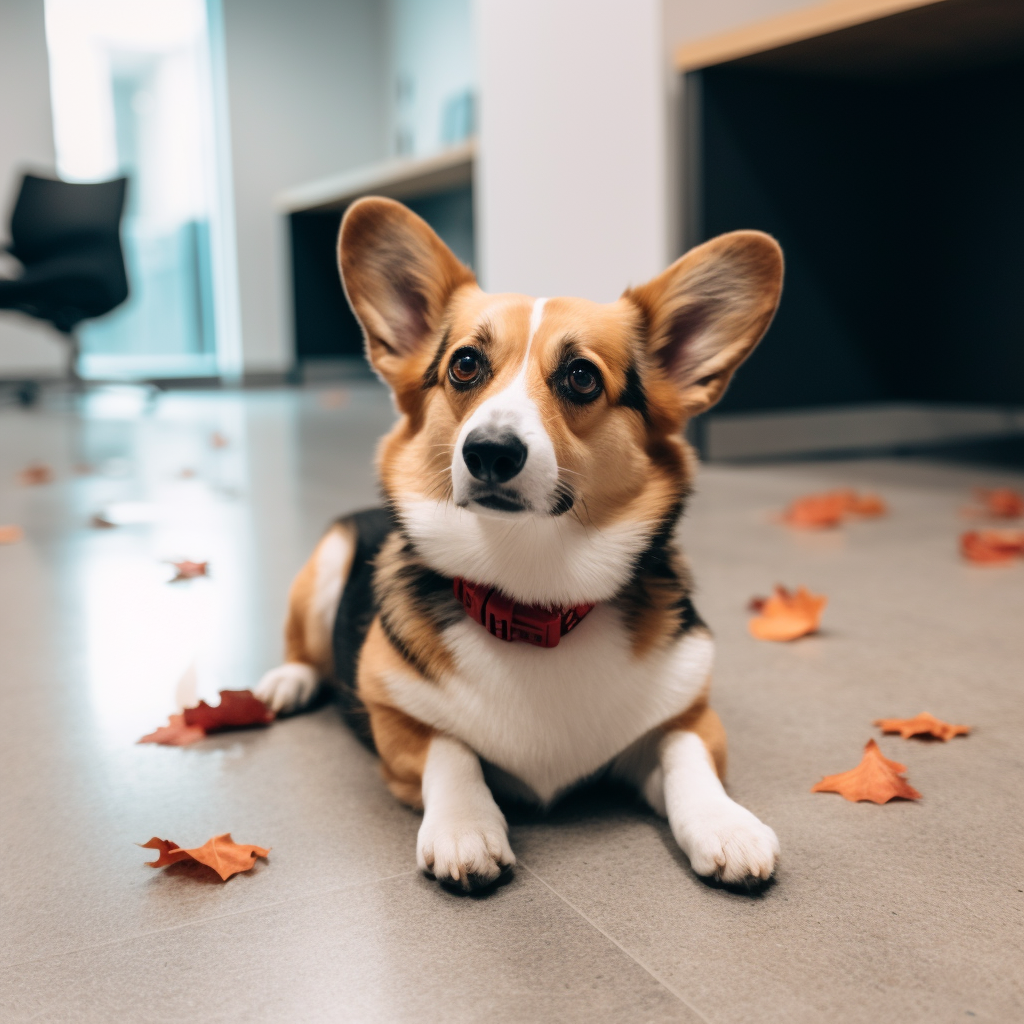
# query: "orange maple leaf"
923,724
992,547
867,505
11,534
819,511
876,778
786,615
816,511
218,440
34,474
237,709
177,733
1001,502
221,853
187,570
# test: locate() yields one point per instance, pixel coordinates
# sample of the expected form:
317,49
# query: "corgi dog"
517,620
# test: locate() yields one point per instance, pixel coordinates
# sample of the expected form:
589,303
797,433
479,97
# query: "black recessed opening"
324,325
893,176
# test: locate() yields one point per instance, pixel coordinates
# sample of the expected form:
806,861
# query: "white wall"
579,179
27,347
307,98
572,176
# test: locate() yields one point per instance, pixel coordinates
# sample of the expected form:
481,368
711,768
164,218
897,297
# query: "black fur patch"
396,641
633,395
659,567
432,376
356,611
431,593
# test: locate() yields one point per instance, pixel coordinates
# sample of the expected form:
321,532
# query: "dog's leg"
678,770
722,839
312,606
463,840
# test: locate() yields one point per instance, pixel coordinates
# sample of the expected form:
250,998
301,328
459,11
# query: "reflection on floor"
906,912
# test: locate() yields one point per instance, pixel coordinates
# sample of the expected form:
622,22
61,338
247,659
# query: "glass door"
133,94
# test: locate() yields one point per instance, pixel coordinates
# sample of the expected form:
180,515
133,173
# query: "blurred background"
559,147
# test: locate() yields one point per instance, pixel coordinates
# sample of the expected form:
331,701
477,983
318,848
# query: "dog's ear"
398,276
707,312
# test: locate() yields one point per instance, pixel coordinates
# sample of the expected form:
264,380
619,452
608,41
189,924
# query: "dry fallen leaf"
186,473
819,511
923,724
218,440
831,507
876,778
816,511
221,853
867,505
236,710
786,615
11,534
1001,502
177,733
35,473
187,570
99,522
992,547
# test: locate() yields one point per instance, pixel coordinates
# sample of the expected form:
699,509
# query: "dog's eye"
465,367
584,380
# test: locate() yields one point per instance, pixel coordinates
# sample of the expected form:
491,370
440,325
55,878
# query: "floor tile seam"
208,920
615,942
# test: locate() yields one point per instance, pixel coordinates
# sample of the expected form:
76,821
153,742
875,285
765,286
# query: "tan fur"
401,741
307,635
704,721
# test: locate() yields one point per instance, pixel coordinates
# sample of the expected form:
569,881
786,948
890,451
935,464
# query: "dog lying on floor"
518,620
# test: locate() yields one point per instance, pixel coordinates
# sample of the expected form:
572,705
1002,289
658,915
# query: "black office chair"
67,237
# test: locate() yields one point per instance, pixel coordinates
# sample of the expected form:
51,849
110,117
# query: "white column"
571,188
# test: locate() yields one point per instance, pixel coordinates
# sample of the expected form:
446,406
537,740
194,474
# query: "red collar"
507,620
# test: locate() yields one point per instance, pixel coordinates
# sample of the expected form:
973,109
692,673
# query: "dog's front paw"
465,855
288,687
728,843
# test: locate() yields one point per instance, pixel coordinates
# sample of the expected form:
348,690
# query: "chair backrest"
53,216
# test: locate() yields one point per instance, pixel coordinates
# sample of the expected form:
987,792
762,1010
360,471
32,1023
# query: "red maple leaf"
237,709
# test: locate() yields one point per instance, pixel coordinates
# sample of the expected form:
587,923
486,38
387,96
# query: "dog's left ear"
398,276
708,311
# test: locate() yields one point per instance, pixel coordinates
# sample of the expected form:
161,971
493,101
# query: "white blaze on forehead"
513,411
536,315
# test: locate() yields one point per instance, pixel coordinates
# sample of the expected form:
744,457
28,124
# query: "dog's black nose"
493,459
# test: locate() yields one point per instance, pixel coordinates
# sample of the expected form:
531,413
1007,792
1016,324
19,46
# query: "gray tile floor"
907,912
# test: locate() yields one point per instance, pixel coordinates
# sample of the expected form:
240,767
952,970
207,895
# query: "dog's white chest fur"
551,717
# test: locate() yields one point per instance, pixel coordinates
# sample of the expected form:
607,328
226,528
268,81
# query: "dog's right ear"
398,276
